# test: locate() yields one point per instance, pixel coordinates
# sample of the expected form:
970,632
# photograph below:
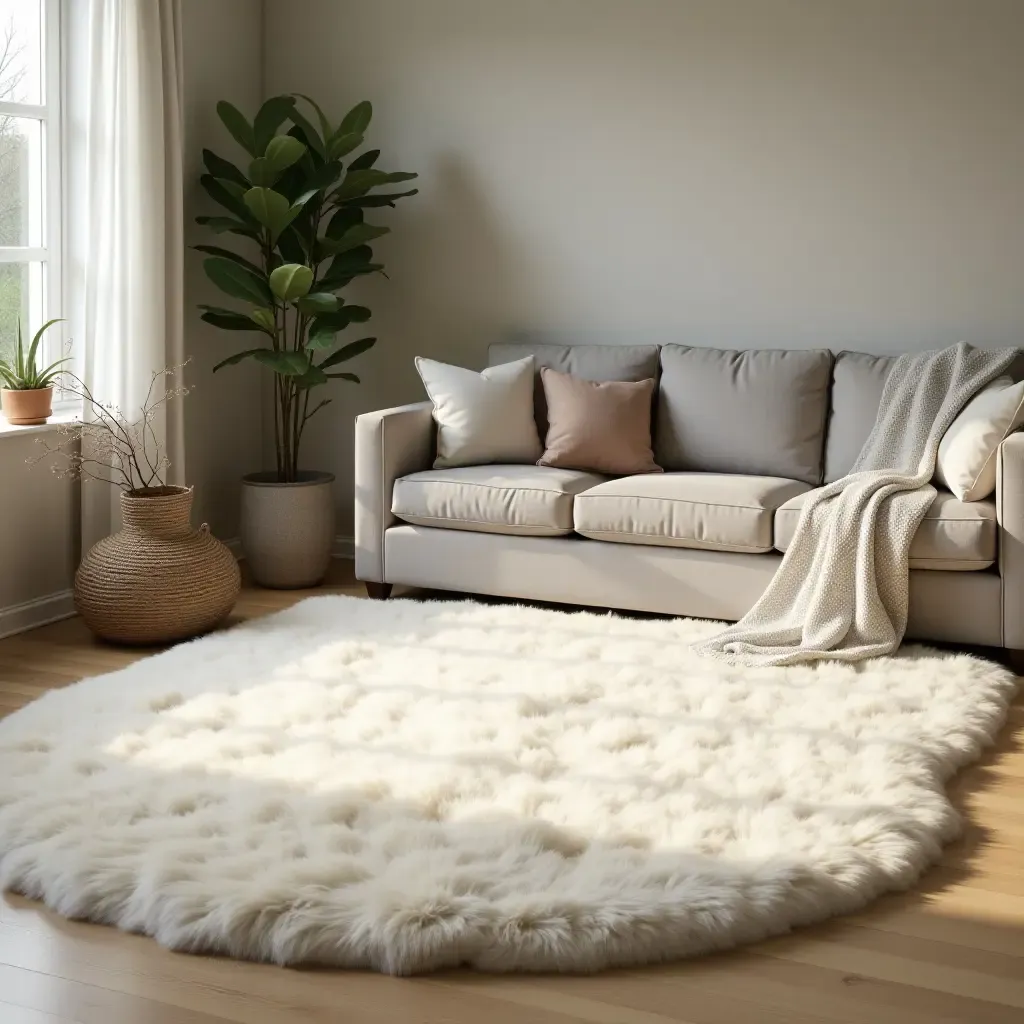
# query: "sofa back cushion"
591,362
857,383
759,412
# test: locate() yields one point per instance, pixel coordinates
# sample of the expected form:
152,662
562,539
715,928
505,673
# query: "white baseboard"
343,547
20,617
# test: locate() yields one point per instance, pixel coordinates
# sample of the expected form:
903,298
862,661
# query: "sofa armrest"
389,444
1010,514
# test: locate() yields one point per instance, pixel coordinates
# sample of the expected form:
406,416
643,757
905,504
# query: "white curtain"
123,197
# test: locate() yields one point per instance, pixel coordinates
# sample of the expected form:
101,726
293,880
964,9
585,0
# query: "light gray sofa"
743,437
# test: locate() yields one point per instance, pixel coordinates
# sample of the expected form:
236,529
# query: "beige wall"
840,173
38,528
222,48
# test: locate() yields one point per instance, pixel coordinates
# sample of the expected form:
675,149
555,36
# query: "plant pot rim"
26,391
152,493
269,478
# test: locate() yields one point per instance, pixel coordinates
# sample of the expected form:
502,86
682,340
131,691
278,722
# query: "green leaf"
324,176
271,114
311,135
321,338
365,160
357,119
344,376
238,191
236,281
354,263
325,125
222,224
261,173
236,123
223,169
318,302
340,319
264,317
45,378
283,151
239,356
38,337
288,364
291,281
220,193
358,183
227,320
301,200
311,378
350,351
342,145
271,209
385,199
358,234
345,217
291,247
216,250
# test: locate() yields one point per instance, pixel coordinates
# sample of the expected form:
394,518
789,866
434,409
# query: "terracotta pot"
27,408
158,580
288,528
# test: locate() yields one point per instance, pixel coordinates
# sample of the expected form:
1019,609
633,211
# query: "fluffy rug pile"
407,785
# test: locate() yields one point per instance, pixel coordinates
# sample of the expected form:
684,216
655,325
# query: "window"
30,179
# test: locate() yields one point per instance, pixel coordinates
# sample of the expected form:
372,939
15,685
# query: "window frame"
49,114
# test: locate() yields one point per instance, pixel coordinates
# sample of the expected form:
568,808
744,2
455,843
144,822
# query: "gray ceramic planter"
287,529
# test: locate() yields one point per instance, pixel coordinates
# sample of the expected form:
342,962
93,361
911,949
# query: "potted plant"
27,394
157,580
303,210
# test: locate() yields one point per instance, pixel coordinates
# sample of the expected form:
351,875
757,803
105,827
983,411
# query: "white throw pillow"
482,417
967,453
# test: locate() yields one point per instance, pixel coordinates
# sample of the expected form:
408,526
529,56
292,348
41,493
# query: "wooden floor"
953,950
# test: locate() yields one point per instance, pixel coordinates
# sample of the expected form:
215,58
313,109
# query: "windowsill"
59,418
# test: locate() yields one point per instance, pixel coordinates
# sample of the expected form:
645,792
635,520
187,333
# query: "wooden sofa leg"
378,591
1015,661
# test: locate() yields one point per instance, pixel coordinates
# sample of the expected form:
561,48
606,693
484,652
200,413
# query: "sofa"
743,437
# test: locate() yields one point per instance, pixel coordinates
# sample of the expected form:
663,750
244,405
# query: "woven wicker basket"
157,580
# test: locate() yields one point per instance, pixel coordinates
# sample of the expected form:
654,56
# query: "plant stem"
277,427
278,330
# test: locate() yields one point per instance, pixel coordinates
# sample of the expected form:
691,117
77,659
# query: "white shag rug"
409,785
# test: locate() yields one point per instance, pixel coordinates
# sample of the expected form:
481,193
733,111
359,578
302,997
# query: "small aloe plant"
21,373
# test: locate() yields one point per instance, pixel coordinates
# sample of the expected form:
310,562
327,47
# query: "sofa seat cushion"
533,500
958,535
713,511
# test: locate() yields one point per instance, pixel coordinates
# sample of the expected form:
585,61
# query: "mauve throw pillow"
600,427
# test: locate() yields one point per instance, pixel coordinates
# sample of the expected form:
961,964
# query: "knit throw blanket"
842,589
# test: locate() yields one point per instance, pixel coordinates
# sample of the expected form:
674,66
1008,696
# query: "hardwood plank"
949,951
12,1014
59,999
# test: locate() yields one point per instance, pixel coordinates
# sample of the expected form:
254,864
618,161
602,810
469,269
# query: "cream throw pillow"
967,453
482,417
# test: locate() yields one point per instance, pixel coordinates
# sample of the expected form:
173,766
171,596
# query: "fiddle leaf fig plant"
303,211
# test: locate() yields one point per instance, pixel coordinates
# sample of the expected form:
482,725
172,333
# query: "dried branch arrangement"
108,446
